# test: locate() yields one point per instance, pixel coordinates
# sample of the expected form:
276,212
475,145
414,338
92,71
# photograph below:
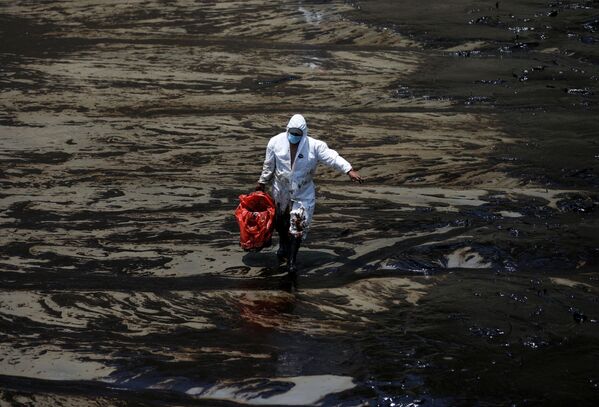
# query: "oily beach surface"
464,271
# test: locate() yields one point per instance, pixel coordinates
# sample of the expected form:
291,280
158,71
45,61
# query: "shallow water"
463,272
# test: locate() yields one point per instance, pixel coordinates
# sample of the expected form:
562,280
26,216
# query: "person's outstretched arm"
332,159
268,168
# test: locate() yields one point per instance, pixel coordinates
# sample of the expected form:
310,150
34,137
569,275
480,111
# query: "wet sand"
463,272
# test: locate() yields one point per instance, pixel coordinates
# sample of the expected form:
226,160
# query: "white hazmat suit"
292,185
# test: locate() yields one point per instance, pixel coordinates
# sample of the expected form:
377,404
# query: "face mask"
293,139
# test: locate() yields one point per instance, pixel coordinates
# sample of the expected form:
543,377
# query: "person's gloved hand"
354,176
260,187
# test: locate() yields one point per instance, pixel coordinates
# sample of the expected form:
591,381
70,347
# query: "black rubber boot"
294,245
283,250
282,227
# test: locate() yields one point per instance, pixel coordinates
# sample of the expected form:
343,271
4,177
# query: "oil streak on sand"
464,271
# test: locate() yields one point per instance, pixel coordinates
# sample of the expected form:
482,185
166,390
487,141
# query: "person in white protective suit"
291,159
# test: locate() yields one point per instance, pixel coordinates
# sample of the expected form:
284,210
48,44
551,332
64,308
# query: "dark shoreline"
464,272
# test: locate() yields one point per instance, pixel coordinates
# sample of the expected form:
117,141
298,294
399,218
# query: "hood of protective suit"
297,121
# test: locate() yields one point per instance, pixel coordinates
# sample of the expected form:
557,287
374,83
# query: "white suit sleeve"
332,158
268,167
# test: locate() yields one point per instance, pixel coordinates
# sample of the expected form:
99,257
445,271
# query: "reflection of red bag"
256,218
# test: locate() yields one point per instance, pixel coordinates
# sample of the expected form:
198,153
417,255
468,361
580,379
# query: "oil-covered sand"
463,272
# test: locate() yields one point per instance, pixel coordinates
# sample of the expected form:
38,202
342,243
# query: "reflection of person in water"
291,159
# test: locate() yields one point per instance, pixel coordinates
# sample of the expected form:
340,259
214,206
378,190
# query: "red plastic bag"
256,218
